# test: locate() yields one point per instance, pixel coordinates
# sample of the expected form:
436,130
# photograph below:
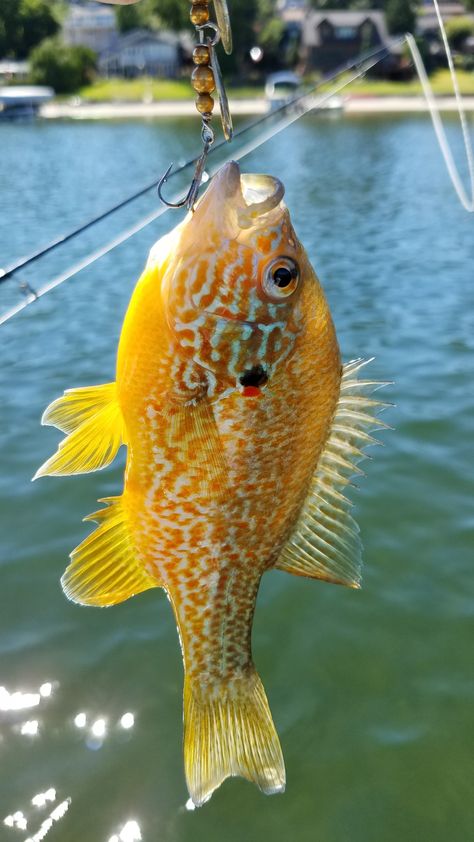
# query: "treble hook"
190,199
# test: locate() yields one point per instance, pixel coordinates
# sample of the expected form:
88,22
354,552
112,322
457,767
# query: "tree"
23,25
401,15
269,29
457,30
37,23
63,68
130,17
172,14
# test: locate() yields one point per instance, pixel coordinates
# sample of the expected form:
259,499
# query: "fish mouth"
233,202
261,194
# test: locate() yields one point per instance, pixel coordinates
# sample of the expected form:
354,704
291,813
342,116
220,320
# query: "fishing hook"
190,199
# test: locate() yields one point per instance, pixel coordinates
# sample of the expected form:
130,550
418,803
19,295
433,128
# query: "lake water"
373,691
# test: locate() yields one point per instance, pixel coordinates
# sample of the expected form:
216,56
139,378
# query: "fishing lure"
242,430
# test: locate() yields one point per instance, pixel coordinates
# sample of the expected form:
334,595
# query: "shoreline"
241,107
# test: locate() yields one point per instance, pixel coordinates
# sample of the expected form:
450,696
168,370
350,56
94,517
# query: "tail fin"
229,731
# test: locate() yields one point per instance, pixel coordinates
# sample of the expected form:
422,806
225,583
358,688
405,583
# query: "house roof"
313,20
140,36
137,38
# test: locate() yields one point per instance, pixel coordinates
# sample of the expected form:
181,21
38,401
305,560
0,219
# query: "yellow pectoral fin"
104,569
68,412
93,420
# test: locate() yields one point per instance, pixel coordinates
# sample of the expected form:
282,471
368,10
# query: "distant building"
142,51
332,38
292,10
92,26
12,70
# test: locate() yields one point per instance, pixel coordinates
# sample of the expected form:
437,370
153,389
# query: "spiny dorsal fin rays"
104,569
93,420
325,542
299,560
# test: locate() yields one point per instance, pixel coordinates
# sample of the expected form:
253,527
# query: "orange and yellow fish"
242,429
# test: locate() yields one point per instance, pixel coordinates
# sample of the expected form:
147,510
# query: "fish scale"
242,431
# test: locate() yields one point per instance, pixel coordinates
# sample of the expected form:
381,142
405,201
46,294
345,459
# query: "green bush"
66,69
457,30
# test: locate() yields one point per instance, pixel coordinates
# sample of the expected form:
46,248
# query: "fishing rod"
305,103
303,100
378,54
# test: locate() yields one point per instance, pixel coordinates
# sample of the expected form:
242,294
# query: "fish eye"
281,278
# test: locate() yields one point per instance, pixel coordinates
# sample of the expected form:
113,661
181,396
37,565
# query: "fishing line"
468,203
63,238
365,58
306,104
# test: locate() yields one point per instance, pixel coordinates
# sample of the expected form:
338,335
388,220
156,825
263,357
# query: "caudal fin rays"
230,732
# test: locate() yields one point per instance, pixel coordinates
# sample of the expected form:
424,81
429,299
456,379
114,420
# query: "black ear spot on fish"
256,376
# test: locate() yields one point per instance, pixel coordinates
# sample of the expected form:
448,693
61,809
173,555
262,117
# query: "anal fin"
325,542
104,569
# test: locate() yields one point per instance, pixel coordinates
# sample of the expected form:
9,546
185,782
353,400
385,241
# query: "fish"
243,429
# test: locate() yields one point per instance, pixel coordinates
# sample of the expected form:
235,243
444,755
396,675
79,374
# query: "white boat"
22,101
281,88
322,104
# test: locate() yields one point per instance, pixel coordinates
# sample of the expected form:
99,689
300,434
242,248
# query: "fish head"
233,286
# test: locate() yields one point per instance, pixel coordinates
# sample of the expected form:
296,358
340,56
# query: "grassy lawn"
137,90
440,82
144,89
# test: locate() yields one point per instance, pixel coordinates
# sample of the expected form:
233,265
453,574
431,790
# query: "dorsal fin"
104,569
325,542
92,418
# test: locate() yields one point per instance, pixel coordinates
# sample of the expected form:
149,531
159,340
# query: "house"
142,51
332,38
92,26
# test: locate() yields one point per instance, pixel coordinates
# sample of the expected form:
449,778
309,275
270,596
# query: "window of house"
345,33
